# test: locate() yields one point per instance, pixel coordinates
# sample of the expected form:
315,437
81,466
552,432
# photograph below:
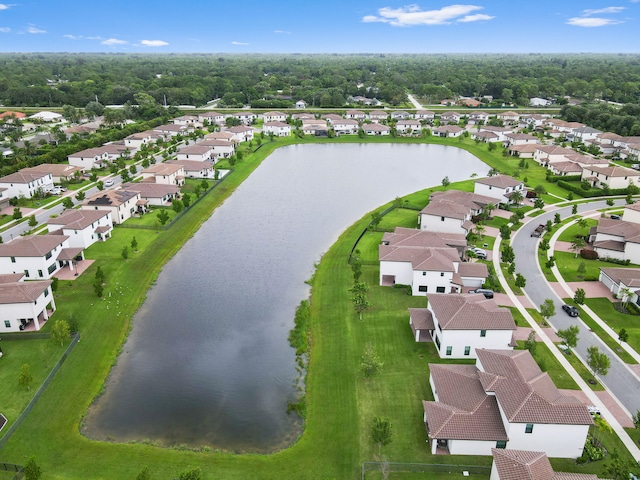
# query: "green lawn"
568,266
569,234
399,217
368,246
340,403
617,320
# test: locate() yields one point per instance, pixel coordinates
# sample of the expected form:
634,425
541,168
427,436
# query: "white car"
478,251
108,183
55,191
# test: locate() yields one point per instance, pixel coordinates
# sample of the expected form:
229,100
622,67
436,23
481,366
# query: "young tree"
580,296
505,232
570,336
60,331
186,200
67,202
582,268
25,378
544,245
359,297
163,216
446,182
530,343
98,288
134,244
540,190
556,218
508,255
381,432
610,202
549,226
80,196
511,268
370,364
574,209
623,335
177,205
521,282
577,244
99,276
204,184
17,214
550,263
133,170
32,471
538,203
598,362
191,474
144,474
125,252
547,309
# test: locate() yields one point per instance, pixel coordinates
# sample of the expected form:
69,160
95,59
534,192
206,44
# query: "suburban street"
620,380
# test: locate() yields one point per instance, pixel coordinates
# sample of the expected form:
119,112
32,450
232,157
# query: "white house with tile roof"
623,282
274,116
448,131
616,239
198,152
172,129
35,255
519,139
241,133
212,117
277,128
83,227
165,173
376,129
511,464
355,115
408,126
611,177
505,401
463,323
221,148
97,157
427,115
546,154
26,184
158,194
499,187
429,262
194,168
59,171
346,126
451,211
23,303
246,118
377,116
122,204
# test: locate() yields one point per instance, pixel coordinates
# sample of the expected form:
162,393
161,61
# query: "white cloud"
410,15
4,6
5,29
113,41
591,21
239,43
153,43
586,18
284,31
72,37
33,29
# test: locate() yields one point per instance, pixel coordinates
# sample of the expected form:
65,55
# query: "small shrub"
589,254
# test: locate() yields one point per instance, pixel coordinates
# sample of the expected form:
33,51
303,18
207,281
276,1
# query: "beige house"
122,204
611,177
165,173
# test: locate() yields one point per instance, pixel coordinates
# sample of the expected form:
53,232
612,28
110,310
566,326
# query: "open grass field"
340,402
617,320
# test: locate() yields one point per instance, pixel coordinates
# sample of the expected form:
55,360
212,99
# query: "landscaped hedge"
592,192
616,261
589,254
566,178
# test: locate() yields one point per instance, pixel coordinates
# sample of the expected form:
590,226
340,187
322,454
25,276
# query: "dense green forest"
54,80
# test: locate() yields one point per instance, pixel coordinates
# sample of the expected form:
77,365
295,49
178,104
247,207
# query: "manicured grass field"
617,320
340,402
569,234
399,217
568,266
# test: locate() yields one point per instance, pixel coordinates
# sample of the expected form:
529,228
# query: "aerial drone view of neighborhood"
390,241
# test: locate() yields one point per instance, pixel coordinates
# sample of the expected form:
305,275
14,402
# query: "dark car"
485,291
571,310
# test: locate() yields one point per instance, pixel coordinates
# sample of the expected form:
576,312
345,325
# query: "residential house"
519,139
565,168
304,116
463,323
426,115
451,211
172,129
616,239
405,127
499,187
448,131
509,117
26,184
400,115
123,204
429,262
476,118
246,118
274,117
37,256
631,213
546,154
277,128
83,227
355,115
188,120
522,151
4,198
346,126
316,128
24,303
511,464
505,401
214,118
377,116
450,117
539,102
158,194
469,102
531,121
164,173
611,177
97,157
198,152
226,136
241,133
622,282
301,104
194,168
376,129
329,118
47,116
484,136
135,141
59,171
220,148
582,134
499,131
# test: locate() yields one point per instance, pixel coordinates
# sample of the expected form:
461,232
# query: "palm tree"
516,197
489,207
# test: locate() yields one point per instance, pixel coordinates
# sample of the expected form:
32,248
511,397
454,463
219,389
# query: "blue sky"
326,26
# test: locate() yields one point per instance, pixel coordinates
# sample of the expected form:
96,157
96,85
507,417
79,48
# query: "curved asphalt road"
619,381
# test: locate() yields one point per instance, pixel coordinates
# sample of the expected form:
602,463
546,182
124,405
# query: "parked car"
55,191
571,310
108,183
485,291
615,217
539,230
593,410
477,251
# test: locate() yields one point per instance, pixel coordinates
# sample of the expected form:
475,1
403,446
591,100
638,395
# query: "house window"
528,428
424,274
26,273
483,333
438,342
40,273
7,324
52,268
46,292
47,256
440,289
422,288
467,350
442,274
501,444
449,349
442,219
13,259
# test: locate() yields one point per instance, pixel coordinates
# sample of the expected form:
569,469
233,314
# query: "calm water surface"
207,361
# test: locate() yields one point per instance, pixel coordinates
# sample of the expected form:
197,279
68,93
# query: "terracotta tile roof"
411,237
609,245
70,253
31,246
629,276
463,410
421,319
15,114
16,277
520,136
526,465
192,165
22,292
456,204
629,231
219,136
78,219
567,167
448,129
554,150
199,149
23,177
633,206
469,312
239,129
376,127
110,198
152,190
213,142
614,171
500,181
525,393
55,169
163,169
110,149
486,135
473,269
276,124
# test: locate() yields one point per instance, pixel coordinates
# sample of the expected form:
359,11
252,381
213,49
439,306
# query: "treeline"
623,120
54,80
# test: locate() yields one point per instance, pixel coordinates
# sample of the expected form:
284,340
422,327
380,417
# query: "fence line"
424,468
366,229
12,467
38,394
